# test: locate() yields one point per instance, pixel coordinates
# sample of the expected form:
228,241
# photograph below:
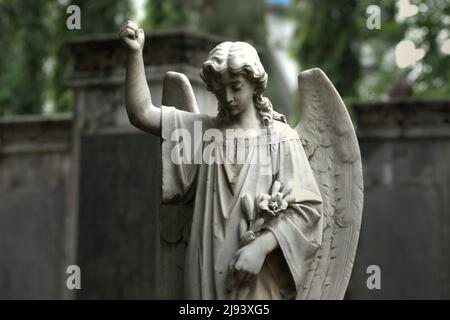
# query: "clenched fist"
133,37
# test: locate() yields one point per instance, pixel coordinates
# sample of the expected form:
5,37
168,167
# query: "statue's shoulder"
284,130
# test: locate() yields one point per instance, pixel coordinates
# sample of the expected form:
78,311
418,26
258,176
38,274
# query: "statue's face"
235,93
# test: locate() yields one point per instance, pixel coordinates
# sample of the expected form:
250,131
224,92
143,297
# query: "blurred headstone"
405,146
34,173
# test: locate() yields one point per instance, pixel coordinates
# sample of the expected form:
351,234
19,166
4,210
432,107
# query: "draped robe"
195,169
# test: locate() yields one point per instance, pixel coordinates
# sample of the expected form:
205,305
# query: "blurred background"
80,186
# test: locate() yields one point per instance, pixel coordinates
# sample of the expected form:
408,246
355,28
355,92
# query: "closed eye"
237,86
220,90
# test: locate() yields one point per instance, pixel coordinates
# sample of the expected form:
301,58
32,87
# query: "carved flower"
273,203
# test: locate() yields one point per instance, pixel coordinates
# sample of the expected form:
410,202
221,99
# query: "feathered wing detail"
331,146
177,92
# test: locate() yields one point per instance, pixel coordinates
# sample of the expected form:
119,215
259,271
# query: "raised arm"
140,109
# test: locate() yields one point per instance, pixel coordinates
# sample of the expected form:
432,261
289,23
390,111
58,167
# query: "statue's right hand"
132,36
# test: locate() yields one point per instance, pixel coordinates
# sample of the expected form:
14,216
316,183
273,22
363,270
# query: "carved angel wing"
331,146
177,92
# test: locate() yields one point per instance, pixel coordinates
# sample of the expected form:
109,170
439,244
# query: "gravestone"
405,146
34,173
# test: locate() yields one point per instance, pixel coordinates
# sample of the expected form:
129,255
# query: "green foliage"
234,19
434,70
24,45
161,14
377,50
34,59
429,76
325,38
333,35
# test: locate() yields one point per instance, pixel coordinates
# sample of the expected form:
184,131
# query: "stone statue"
277,210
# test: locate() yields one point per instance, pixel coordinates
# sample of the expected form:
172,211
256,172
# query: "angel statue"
277,210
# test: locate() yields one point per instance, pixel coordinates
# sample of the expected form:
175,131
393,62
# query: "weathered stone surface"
405,147
34,166
403,118
119,199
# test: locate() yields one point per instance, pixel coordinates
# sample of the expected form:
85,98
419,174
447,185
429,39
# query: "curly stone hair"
240,58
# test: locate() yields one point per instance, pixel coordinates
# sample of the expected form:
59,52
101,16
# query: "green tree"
25,44
361,62
235,19
34,59
428,29
377,50
325,38
429,75
161,14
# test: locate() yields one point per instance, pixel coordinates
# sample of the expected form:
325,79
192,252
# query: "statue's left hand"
249,259
248,262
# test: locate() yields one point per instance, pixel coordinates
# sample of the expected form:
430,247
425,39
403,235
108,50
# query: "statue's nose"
229,96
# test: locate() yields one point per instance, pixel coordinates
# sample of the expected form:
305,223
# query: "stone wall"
405,146
34,170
